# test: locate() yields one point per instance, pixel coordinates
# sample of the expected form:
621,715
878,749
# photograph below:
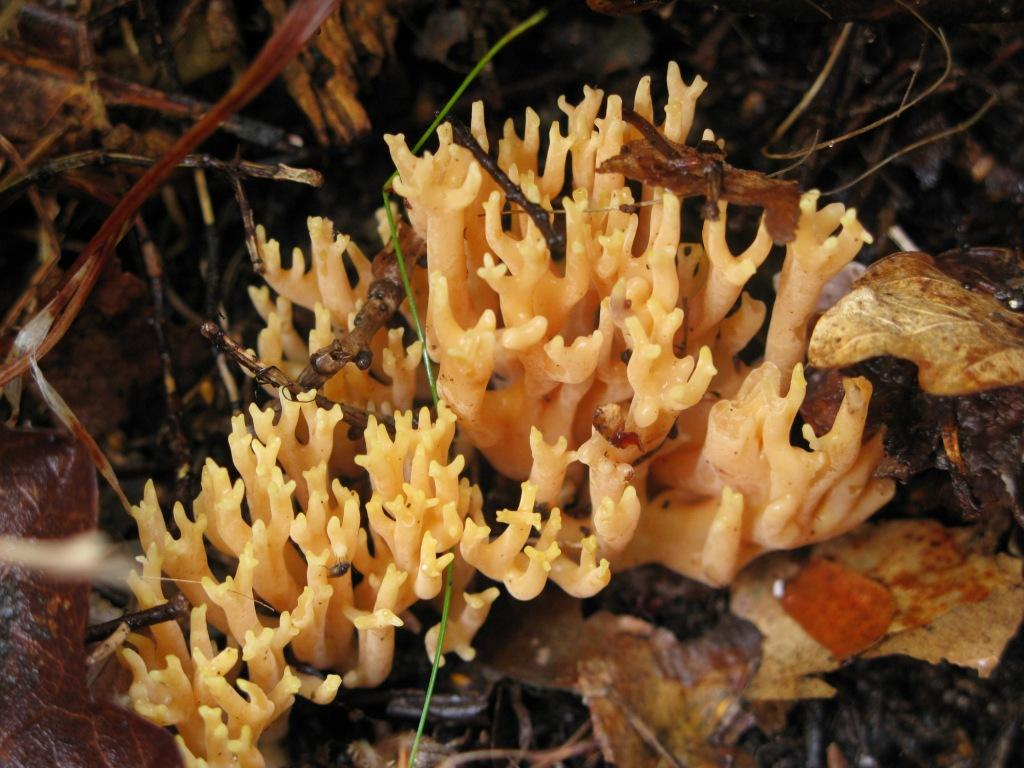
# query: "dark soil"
962,191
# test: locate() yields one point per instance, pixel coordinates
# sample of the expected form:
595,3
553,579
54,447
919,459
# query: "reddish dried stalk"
298,26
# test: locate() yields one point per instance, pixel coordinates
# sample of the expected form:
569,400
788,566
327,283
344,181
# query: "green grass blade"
438,655
507,38
417,323
428,366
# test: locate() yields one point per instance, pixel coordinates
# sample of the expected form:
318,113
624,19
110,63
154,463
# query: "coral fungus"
605,379
627,346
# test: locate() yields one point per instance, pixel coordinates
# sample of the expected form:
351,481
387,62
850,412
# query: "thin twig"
649,132
383,298
829,143
355,418
464,138
96,661
919,64
102,158
175,609
958,128
178,440
797,163
819,81
248,225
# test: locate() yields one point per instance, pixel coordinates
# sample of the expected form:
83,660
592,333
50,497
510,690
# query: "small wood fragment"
702,170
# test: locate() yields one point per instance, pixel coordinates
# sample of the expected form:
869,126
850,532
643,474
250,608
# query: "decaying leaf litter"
960,191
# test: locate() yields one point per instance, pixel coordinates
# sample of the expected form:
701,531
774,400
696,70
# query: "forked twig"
248,225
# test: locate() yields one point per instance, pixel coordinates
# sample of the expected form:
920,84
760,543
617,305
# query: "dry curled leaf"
962,341
350,46
47,491
998,272
953,602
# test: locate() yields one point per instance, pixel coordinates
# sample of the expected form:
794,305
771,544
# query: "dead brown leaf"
109,370
48,490
962,341
35,102
352,42
653,699
953,602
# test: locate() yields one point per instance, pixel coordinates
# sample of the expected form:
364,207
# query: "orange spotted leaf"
841,609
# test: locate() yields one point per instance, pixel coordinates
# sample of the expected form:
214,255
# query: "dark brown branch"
464,138
701,170
248,225
649,132
383,298
355,418
175,609
101,157
178,441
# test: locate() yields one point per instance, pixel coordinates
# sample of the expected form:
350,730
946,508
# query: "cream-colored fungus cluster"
327,288
626,346
334,574
605,379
